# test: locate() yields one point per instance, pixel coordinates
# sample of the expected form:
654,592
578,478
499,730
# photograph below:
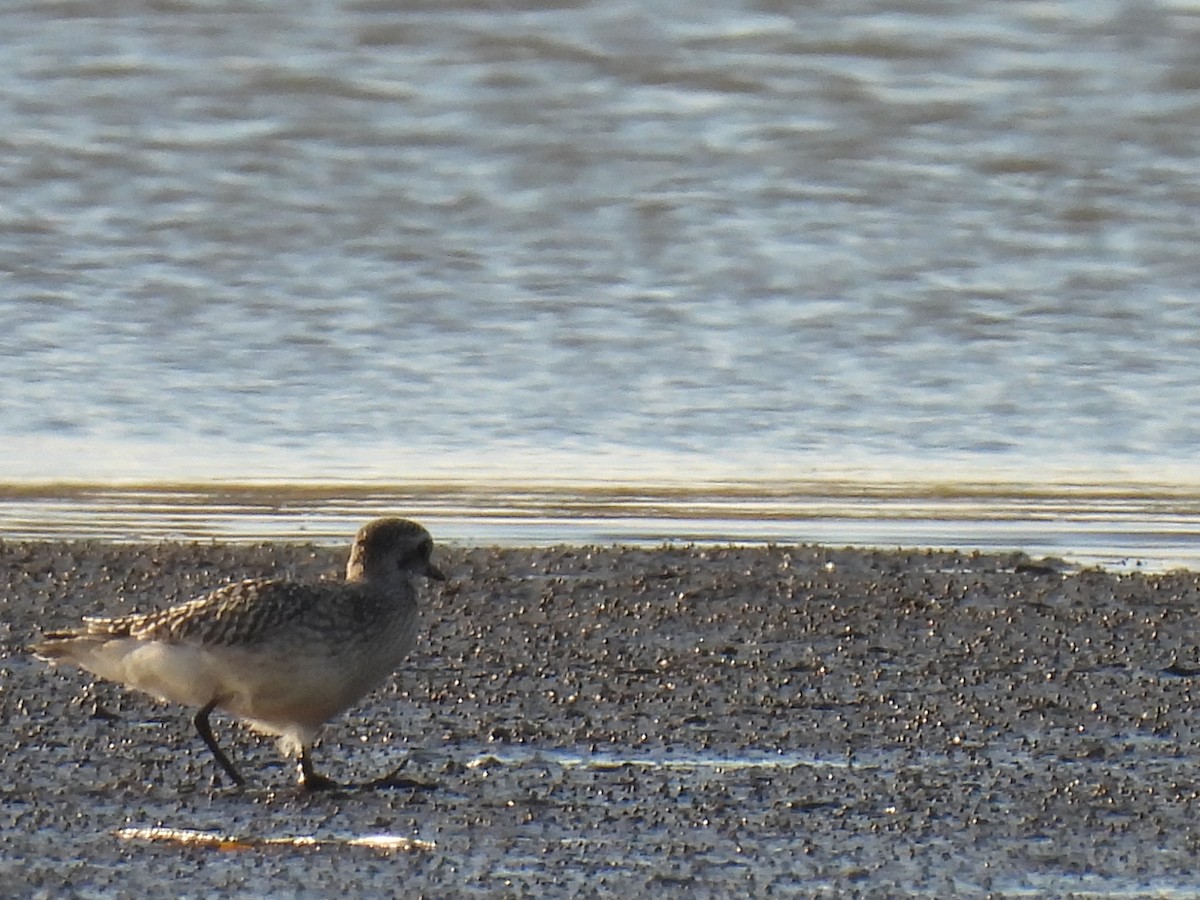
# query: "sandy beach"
779,721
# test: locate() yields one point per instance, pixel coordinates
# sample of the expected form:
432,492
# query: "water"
1142,529
347,243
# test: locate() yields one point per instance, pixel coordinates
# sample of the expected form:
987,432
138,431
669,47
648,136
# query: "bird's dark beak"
432,571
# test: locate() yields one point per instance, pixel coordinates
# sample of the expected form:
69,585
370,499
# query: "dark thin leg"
201,723
310,780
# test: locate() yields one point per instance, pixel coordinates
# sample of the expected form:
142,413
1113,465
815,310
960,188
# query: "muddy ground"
785,721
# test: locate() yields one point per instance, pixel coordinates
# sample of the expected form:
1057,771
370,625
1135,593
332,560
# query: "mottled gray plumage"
256,612
283,656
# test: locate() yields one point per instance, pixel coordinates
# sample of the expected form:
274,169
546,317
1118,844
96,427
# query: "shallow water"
348,240
1139,527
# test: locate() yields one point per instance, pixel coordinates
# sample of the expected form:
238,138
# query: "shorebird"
283,656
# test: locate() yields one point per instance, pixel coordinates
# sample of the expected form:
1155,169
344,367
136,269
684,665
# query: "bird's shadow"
391,781
317,785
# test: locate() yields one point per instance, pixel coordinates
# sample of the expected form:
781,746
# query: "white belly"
287,695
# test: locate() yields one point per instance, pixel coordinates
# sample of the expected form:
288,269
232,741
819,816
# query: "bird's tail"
66,646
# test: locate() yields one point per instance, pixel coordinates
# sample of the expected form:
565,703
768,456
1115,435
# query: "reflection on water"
192,837
1116,527
688,760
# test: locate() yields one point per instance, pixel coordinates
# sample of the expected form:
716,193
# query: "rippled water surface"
352,241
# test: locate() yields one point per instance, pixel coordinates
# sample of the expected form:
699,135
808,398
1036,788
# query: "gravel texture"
743,721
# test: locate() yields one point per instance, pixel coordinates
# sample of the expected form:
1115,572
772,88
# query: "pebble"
700,721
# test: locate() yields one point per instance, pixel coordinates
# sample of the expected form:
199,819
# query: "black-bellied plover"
283,656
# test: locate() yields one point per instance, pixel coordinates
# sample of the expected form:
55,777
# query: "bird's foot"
311,781
230,780
106,715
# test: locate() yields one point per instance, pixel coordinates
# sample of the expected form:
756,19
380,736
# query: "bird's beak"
432,571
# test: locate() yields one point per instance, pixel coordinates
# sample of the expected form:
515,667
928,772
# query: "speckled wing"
242,614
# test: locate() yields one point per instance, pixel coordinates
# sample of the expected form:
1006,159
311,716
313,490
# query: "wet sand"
786,721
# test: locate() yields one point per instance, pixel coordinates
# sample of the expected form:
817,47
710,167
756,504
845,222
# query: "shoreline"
798,719
1138,527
